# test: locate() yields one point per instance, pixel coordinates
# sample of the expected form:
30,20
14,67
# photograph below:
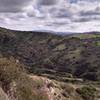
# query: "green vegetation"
97,43
87,92
60,47
72,59
77,54
14,80
87,36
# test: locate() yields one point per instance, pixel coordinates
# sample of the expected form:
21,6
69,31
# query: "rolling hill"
76,54
72,58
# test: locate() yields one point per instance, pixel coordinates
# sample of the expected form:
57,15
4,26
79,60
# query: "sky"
50,15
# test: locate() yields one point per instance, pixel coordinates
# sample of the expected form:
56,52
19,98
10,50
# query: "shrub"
9,71
87,92
17,83
67,88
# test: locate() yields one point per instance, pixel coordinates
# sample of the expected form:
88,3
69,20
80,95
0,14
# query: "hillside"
77,54
68,59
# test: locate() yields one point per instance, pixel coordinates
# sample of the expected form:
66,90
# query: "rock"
3,95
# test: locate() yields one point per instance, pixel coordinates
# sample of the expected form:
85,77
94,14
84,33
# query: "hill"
62,59
76,54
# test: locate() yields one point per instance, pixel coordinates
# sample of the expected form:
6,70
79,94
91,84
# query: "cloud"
47,2
13,5
54,15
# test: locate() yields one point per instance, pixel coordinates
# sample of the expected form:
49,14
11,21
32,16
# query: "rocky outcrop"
3,95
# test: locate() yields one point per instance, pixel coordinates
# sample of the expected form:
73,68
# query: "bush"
87,92
15,81
67,88
9,71
27,91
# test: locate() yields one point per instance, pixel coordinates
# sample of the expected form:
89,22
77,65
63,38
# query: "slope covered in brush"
75,55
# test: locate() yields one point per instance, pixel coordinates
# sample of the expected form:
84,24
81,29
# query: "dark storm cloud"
47,2
13,5
60,13
89,13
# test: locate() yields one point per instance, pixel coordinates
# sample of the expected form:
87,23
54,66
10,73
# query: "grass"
97,43
60,47
86,36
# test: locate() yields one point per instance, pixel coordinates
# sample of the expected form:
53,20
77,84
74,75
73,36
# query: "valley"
46,66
